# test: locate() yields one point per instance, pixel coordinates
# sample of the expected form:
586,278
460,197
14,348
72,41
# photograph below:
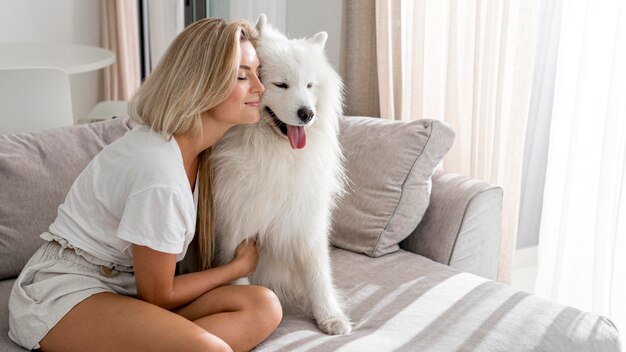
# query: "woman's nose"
259,87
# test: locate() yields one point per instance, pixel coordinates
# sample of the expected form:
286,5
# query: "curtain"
469,63
120,34
357,58
538,126
162,21
582,243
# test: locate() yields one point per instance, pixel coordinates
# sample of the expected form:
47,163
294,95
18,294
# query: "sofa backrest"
36,172
389,165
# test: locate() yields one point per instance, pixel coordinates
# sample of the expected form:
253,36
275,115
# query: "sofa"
414,250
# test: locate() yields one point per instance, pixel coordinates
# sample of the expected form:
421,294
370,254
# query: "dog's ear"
261,23
319,39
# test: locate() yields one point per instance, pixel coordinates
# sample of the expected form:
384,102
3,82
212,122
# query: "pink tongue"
297,136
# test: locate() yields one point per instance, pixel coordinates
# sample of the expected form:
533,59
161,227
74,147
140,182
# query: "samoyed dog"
281,178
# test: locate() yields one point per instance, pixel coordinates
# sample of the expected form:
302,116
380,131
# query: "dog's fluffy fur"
286,195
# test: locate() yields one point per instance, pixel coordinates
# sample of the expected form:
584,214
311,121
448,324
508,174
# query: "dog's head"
296,76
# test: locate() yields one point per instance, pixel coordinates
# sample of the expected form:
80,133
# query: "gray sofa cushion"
36,172
6,345
405,302
389,169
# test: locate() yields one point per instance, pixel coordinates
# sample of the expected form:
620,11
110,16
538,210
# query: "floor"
525,269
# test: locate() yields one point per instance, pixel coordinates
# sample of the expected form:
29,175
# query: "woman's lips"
253,103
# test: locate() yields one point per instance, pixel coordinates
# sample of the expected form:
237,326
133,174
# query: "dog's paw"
338,325
241,281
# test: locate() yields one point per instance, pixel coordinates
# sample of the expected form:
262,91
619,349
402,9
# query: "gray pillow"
389,165
36,172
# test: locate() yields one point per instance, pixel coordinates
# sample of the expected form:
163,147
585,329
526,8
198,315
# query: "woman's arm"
157,284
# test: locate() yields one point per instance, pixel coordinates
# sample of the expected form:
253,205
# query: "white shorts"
55,279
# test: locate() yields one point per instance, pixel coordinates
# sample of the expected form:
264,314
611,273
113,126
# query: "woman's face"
242,105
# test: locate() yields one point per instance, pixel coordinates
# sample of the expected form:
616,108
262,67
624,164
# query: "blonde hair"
197,72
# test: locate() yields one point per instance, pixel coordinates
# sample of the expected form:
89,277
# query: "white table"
69,57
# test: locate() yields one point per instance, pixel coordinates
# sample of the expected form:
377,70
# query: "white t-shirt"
135,191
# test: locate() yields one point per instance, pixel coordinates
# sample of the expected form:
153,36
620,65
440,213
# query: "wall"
58,21
305,18
297,18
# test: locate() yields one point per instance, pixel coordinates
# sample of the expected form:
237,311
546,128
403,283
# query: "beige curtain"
120,33
357,64
466,62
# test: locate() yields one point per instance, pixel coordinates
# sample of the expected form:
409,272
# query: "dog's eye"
309,85
281,85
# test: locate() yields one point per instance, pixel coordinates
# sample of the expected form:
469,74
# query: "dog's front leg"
315,273
227,247
240,281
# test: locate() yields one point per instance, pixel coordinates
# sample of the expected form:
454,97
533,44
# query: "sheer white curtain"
469,63
582,244
162,21
538,125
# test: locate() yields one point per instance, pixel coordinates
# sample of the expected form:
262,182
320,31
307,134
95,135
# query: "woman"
105,279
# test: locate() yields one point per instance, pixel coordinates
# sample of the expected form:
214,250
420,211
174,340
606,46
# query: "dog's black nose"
305,114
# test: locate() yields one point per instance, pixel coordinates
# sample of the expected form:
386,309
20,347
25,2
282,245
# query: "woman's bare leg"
241,315
112,322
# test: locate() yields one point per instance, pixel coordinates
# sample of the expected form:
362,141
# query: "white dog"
281,177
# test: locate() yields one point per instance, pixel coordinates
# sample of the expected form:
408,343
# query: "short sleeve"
157,218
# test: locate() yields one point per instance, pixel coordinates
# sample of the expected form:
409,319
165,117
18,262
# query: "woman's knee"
265,307
208,342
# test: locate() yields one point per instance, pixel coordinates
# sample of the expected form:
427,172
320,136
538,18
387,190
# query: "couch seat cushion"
6,345
405,302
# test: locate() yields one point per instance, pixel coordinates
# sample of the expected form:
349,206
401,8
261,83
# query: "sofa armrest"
462,225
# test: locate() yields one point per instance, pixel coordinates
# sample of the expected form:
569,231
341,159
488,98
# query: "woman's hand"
246,257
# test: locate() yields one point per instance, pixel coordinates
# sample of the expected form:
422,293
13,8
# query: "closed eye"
281,85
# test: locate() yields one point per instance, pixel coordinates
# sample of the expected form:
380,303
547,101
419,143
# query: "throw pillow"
389,166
